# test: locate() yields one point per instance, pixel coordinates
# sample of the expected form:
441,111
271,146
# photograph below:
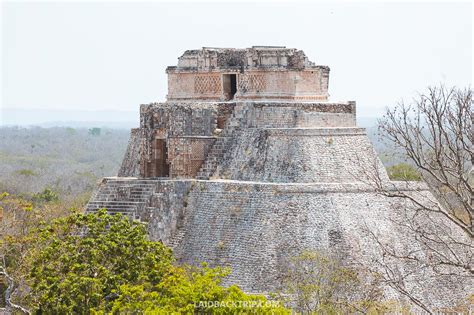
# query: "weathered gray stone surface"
131,163
254,180
260,72
255,228
160,203
295,155
265,114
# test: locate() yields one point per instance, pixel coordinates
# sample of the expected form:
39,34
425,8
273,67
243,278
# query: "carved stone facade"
247,164
260,72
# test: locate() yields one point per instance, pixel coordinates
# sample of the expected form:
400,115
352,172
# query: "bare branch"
9,290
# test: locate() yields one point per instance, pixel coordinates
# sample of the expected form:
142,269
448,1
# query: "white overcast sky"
112,56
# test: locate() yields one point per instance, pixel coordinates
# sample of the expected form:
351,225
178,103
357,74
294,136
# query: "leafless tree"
435,134
318,282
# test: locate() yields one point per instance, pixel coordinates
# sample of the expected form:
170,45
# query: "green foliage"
403,172
322,285
47,195
20,219
26,172
70,130
101,264
3,288
95,131
82,260
34,158
190,290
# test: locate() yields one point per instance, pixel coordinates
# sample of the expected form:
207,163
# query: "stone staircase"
177,238
127,196
180,231
223,143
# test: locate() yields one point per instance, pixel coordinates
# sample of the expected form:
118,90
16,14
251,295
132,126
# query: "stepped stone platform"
248,164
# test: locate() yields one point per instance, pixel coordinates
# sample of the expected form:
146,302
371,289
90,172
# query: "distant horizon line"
110,110
67,110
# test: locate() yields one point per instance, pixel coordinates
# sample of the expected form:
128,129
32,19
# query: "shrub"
47,195
403,172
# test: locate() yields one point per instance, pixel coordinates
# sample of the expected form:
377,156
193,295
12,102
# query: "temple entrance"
229,82
161,168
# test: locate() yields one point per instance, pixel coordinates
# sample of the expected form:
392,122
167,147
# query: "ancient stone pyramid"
247,163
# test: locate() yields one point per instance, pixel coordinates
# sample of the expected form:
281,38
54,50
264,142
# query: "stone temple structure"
247,163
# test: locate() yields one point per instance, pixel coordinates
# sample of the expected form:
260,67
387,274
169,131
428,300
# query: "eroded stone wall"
255,229
175,137
308,85
186,155
288,169
294,114
165,210
204,86
131,161
300,156
269,73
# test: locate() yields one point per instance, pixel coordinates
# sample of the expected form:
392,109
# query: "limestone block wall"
186,155
175,137
165,211
302,155
209,58
179,119
158,203
131,161
295,85
261,72
255,228
294,114
194,85
255,84
201,119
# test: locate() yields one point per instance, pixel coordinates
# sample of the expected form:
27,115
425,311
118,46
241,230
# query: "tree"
98,263
47,195
190,290
95,131
319,283
81,261
404,172
20,218
434,133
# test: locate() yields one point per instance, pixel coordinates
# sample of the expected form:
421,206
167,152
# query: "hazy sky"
102,56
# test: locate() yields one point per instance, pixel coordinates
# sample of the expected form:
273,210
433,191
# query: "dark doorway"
230,86
233,84
161,153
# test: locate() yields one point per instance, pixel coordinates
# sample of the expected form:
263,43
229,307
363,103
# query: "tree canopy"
99,263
